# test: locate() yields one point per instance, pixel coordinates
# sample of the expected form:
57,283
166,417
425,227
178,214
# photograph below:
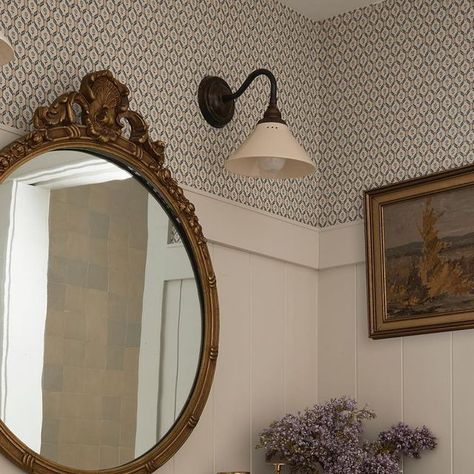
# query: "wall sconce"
6,50
270,151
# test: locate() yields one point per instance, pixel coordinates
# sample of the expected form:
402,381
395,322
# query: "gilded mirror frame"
98,128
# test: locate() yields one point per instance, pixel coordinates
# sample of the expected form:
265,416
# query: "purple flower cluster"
327,438
403,440
377,462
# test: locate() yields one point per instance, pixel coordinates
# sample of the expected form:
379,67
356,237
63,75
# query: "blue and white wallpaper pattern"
396,98
376,95
162,49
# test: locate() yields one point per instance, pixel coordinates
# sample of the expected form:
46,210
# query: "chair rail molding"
341,244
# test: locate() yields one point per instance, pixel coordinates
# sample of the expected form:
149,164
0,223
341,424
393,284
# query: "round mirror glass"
101,320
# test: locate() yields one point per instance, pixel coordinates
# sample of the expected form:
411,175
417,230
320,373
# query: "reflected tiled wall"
98,236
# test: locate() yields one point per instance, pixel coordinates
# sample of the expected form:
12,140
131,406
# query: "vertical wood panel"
301,339
413,378
197,453
427,397
232,381
337,329
379,371
424,379
463,396
268,343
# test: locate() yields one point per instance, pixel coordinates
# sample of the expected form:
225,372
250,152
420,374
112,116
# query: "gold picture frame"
92,119
420,255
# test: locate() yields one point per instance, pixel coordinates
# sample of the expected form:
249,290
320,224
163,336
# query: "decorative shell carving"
103,101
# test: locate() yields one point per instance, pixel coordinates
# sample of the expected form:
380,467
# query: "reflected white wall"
180,349
170,335
24,287
149,359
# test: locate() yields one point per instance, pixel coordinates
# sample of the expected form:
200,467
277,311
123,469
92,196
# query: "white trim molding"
341,244
242,227
67,168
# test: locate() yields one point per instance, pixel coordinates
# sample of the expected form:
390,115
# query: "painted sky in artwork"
401,220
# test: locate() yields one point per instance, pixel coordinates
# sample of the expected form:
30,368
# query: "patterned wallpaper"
397,98
162,49
376,95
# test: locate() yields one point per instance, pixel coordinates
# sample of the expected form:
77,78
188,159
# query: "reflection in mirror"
100,315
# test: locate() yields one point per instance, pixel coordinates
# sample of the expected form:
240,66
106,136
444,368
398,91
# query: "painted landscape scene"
429,254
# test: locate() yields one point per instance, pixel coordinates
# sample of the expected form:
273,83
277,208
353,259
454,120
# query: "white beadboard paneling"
425,379
300,339
463,396
379,370
268,348
232,400
427,396
337,333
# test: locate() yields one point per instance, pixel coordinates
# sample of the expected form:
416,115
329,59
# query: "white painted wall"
425,379
169,289
25,246
180,350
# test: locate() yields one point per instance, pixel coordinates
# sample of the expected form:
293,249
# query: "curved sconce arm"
272,114
217,101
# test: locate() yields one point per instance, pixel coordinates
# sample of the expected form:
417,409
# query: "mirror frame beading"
104,105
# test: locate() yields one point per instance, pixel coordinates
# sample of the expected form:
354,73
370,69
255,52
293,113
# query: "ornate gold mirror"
109,312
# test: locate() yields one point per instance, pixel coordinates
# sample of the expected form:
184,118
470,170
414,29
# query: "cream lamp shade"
6,50
271,151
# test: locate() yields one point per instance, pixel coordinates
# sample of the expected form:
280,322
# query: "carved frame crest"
92,120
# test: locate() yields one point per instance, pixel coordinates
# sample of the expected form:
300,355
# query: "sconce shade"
6,50
270,151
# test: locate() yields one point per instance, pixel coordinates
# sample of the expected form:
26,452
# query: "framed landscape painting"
420,255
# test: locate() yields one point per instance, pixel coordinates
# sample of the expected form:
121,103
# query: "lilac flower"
380,463
327,438
402,440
